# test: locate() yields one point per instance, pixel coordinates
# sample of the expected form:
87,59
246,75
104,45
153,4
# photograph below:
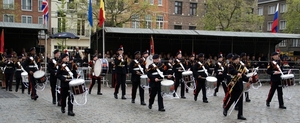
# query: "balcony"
79,33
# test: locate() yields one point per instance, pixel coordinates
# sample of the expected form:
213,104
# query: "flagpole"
46,42
103,40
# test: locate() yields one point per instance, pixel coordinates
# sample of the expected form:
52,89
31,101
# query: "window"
193,8
295,43
272,9
192,27
178,7
282,43
61,22
8,18
40,5
26,5
260,27
8,4
26,19
282,25
178,27
135,21
136,1
160,2
81,24
283,8
260,11
269,26
151,2
148,21
40,20
160,22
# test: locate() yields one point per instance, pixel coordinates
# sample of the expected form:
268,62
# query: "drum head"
24,74
251,74
76,82
211,79
143,76
187,73
98,67
167,82
38,74
287,76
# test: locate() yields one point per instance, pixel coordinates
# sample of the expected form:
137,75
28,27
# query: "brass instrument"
235,79
120,57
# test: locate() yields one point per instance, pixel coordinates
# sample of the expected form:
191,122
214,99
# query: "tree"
292,16
231,15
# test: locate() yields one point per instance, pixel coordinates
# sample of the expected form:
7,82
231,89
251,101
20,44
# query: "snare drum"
254,76
144,80
287,76
211,81
166,86
24,76
39,76
77,86
187,76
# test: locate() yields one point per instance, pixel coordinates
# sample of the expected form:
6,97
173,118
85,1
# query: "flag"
45,9
90,13
101,13
275,21
151,45
2,42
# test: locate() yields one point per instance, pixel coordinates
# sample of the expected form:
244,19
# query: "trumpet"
244,66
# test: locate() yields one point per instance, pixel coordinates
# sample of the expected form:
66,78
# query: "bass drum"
98,67
105,67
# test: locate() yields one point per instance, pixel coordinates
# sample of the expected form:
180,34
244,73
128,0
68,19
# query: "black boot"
71,113
63,110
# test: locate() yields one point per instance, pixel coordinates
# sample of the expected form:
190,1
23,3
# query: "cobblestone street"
16,107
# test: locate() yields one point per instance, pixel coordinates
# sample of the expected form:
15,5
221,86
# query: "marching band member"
65,78
121,70
177,68
9,69
168,70
155,85
94,78
200,75
275,80
53,67
189,65
236,87
136,71
18,74
244,60
219,69
227,75
145,55
31,68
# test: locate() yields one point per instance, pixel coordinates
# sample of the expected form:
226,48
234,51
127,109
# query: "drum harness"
139,65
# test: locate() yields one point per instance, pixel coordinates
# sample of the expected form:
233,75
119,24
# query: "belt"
220,70
169,69
178,67
31,66
200,70
136,68
155,73
18,69
66,76
8,66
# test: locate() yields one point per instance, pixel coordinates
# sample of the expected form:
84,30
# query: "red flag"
2,42
152,45
101,13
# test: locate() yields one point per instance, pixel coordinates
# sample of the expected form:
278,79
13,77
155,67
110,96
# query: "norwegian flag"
45,9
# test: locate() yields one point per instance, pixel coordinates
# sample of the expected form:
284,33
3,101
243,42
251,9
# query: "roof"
22,25
200,32
266,1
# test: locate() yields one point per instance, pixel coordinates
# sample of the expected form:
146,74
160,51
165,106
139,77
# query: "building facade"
24,12
66,17
267,9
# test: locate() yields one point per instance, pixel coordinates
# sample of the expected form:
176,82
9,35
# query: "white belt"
18,69
155,73
178,68
220,70
66,76
31,66
169,69
200,70
136,68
